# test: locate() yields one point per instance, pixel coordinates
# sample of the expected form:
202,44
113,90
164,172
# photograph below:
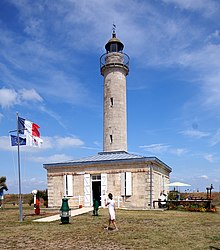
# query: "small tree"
40,194
3,185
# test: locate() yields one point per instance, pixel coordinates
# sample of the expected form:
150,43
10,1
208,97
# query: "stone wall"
142,191
55,190
115,115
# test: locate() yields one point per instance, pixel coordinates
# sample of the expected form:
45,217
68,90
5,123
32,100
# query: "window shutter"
103,188
87,190
70,185
128,183
65,184
122,184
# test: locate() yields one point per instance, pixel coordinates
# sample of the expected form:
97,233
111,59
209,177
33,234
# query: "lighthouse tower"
114,68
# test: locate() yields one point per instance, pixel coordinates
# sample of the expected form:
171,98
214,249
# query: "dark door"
96,191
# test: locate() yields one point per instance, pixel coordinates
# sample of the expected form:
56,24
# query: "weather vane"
113,28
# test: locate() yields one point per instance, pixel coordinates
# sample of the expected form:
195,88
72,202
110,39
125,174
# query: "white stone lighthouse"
114,67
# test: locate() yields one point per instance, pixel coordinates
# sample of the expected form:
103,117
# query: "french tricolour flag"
31,130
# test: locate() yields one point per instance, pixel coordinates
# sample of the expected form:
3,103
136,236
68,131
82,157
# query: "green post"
95,208
65,211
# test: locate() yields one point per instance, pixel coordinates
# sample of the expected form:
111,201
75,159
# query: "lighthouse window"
113,48
111,139
111,102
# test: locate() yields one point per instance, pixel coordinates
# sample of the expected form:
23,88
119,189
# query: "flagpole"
19,173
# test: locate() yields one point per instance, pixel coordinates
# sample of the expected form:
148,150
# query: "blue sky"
49,73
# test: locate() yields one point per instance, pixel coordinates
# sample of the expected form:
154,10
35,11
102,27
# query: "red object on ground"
37,207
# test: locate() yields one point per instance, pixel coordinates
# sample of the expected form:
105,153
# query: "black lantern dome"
114,44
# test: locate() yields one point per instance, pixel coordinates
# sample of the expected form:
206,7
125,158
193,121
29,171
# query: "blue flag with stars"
14,140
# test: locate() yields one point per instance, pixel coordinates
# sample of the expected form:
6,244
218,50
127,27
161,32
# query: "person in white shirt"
111,210
162,199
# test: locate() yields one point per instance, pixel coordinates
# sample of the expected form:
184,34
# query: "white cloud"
28,184
155,148
11,97
33,180
211,90
52,158
209,157
30,95
194,133
216,138
207,7
48,143
97,143
5,143
178,37
205,177
161,148
179,151
38,62
52,114
59,85
63,142
92,148
8,97
204,61
214,38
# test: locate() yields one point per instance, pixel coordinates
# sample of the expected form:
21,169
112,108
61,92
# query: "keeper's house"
135,181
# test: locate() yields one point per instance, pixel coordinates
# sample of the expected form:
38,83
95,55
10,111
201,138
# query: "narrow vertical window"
111,139
113,47
68,185
111,102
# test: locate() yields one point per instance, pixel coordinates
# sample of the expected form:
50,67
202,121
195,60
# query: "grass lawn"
137,230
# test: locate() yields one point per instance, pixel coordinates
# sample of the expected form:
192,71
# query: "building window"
111,102
68,185
96,177
111,139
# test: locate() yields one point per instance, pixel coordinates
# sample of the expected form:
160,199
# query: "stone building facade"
134,180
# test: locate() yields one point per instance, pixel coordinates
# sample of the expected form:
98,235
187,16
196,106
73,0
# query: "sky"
50,74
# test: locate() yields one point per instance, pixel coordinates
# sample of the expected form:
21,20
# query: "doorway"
96,188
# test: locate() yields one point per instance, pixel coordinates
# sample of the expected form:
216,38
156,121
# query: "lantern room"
114,44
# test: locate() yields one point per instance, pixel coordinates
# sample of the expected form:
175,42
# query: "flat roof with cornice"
108,157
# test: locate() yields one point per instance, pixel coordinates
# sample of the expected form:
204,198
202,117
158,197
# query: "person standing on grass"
111,210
